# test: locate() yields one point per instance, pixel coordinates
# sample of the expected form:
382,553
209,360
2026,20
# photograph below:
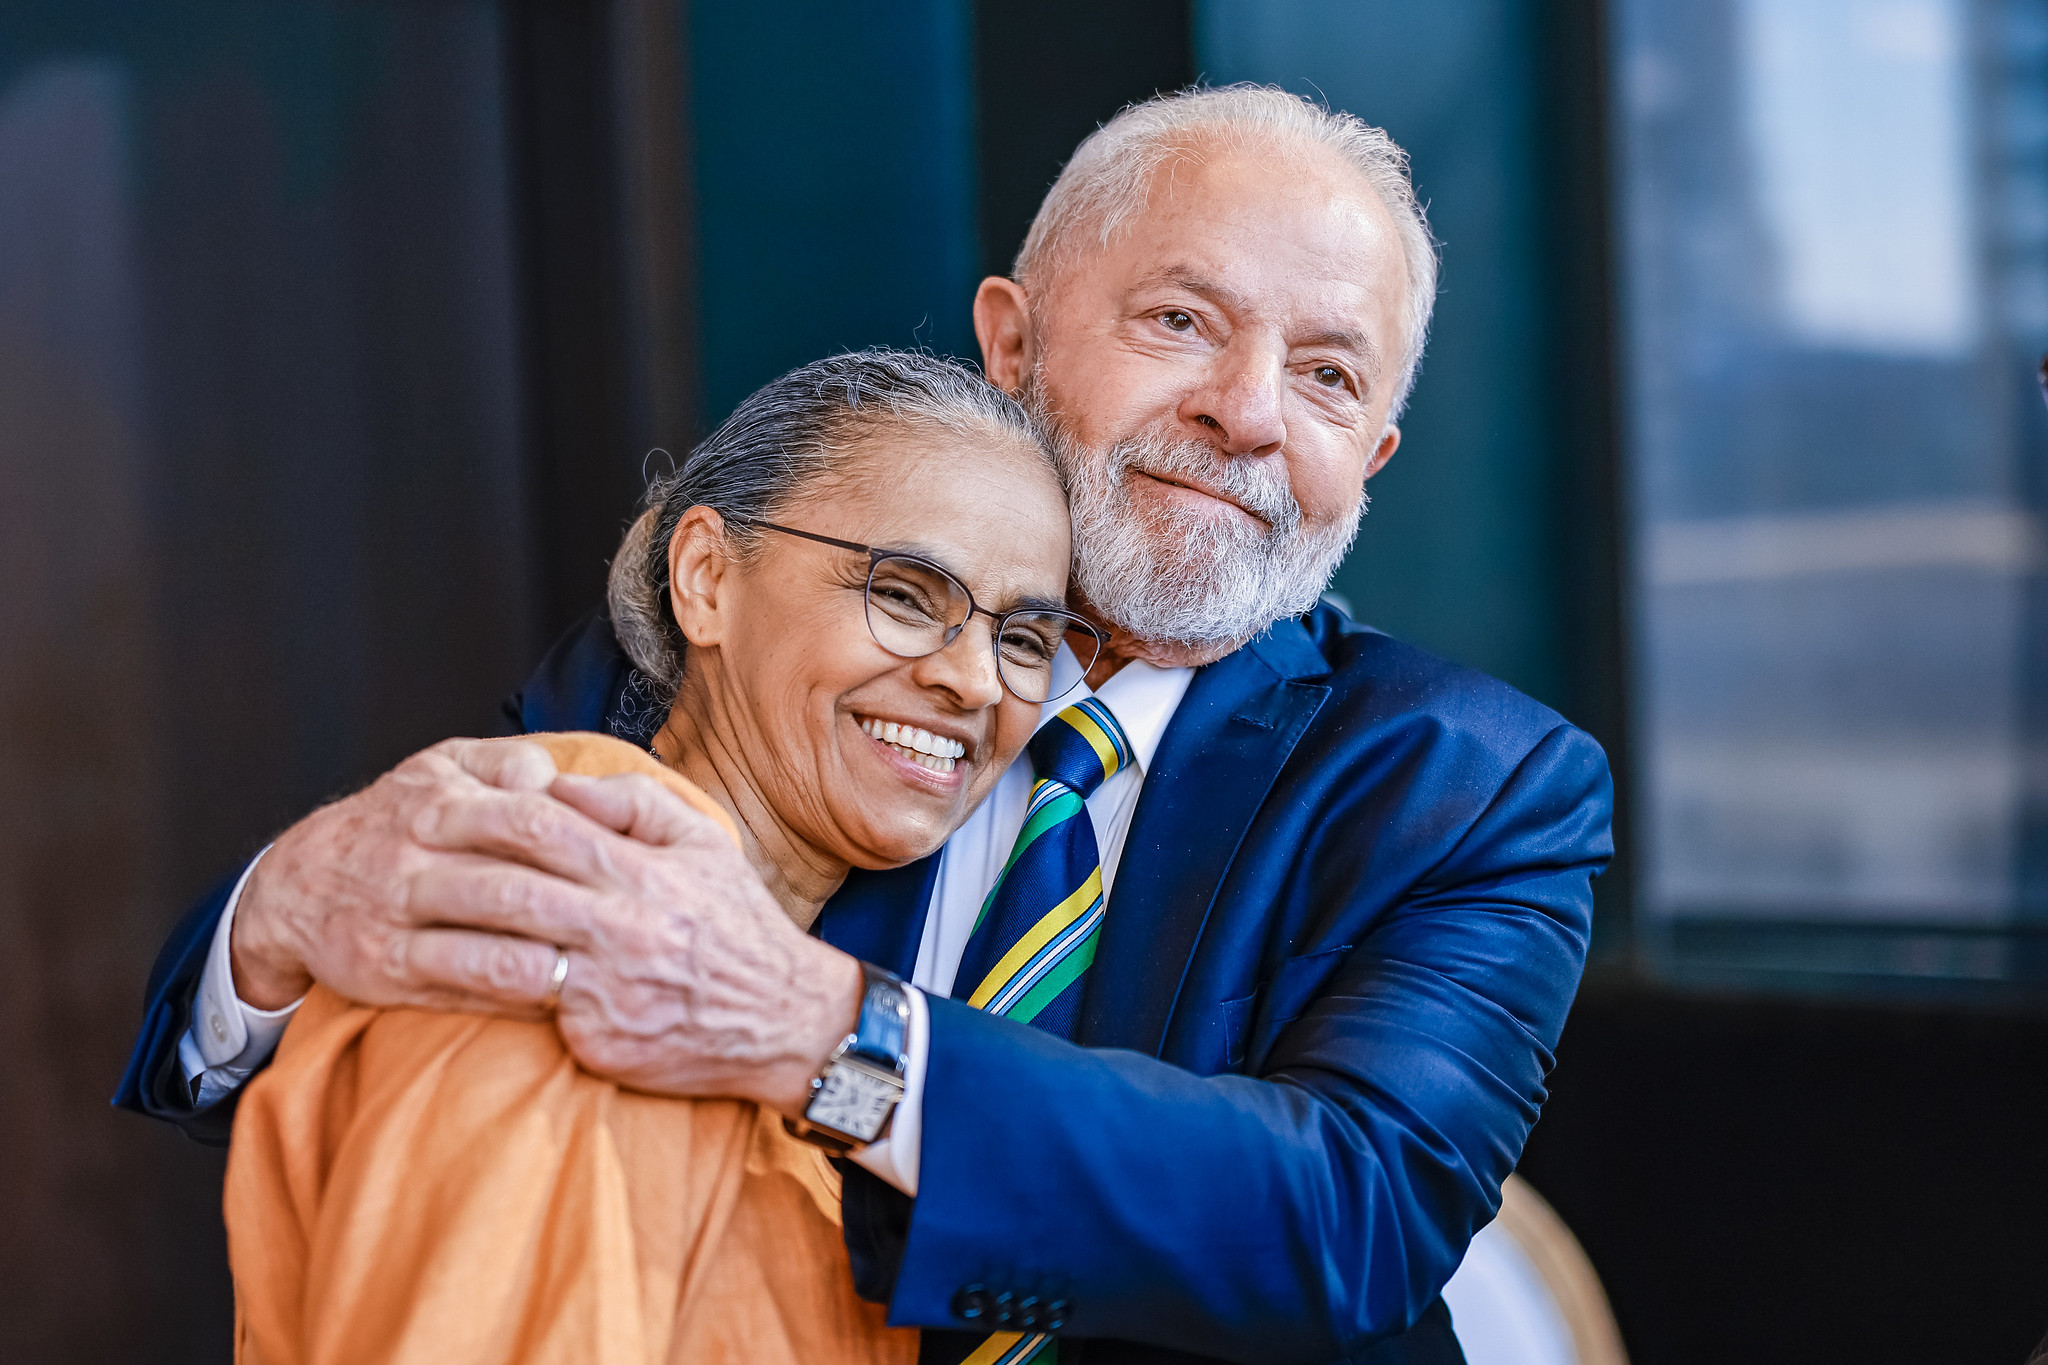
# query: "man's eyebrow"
1185,277
1358,343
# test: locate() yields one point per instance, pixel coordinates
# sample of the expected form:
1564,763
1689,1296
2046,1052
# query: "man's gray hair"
782,442
1107,182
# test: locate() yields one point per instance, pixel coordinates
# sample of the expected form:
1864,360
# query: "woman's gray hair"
1107,182
779,444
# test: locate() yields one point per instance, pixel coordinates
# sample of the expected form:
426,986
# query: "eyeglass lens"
915,608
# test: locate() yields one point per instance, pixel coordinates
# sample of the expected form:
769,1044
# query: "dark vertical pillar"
655,147
2010,103
1049,75
261,534
2032,875
80,829
835,174
601,150
1587,502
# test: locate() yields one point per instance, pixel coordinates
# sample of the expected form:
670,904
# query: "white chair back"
1527,1295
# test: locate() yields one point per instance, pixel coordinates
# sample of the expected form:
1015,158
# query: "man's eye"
1329,376
1177,320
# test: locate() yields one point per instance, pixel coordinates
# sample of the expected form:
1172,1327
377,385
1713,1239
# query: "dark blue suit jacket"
1352,911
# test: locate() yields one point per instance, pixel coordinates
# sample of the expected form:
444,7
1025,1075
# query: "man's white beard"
1172,576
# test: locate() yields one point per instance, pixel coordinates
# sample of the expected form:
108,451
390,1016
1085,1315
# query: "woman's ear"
699,584
1002,324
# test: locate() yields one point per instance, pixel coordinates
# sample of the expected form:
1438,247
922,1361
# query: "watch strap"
882,1033
879,1043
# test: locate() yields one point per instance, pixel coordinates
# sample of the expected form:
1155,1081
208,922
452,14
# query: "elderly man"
1274,1075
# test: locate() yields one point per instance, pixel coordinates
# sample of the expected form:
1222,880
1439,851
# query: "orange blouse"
443,1189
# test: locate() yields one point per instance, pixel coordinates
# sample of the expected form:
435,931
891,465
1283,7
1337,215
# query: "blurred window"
1834,219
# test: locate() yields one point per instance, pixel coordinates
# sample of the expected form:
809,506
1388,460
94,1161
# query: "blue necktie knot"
1080,748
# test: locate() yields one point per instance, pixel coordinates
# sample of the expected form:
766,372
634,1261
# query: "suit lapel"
1236,727
879,916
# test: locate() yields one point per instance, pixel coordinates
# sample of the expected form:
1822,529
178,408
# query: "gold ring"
555,978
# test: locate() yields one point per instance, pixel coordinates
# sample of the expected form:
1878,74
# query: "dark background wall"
1760,1178
335,338
261,517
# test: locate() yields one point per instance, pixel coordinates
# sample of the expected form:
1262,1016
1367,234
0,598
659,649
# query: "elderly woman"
850,594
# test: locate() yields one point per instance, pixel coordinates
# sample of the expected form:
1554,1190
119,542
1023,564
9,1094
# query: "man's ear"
1390,441
698,579
1002,324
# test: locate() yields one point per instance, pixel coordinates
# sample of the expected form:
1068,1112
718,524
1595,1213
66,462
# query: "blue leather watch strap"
882,1034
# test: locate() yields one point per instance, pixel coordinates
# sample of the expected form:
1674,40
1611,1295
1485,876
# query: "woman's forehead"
987,507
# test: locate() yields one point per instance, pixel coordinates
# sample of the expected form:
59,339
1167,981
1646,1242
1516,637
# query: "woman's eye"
1176,320
1029,649
1329,376
899,601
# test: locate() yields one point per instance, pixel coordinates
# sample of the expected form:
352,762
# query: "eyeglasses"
916,608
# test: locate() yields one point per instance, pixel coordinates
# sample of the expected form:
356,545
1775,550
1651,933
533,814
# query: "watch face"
854,1102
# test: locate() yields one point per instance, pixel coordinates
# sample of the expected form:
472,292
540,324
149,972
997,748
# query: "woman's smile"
927,756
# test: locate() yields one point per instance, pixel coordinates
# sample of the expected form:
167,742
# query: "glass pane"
1835,292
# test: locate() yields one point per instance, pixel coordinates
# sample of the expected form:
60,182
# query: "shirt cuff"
894,1158
228,1038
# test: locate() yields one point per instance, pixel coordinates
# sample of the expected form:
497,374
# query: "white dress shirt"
229,1039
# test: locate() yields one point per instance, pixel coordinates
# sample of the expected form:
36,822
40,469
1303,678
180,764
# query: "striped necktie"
1034,941
1037,930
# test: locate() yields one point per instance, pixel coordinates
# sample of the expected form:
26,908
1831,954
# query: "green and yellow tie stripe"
1036,934
1035,937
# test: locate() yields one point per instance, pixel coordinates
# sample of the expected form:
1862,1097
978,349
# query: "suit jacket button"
973,1302
1028,1314
1003,1310
1053,1316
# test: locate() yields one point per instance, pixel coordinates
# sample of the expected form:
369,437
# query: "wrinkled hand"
690,979
377,896
448,883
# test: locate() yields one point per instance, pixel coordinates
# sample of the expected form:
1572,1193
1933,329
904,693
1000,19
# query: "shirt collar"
1142,697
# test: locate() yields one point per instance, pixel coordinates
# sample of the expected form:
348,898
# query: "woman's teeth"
921,747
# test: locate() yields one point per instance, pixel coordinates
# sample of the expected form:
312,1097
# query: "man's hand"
449,883
690,979
364,894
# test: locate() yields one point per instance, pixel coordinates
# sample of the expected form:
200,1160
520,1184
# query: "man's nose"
1240,405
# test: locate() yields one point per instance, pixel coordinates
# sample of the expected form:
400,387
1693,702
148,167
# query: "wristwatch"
855,1095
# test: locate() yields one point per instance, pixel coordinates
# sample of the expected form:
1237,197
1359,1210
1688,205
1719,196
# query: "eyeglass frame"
876,555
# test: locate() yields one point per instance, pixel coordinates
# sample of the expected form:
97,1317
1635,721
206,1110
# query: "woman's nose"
966,667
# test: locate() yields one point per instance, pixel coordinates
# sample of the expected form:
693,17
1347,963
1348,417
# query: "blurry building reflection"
1835,224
